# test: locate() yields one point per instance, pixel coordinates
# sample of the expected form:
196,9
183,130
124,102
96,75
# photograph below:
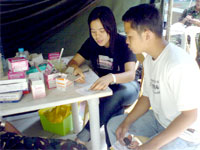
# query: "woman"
114,63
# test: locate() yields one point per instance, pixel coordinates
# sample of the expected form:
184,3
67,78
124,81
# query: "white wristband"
114,78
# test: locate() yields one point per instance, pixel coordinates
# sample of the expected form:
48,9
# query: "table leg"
75,118
94,123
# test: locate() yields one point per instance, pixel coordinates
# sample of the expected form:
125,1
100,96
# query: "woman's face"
99,34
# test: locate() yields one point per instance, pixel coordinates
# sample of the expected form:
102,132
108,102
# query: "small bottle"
21,52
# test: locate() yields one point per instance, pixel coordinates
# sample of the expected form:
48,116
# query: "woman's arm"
128,75
75,62
124,77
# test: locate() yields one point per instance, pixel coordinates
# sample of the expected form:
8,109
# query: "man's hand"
121,131
102,83
146,146
188,17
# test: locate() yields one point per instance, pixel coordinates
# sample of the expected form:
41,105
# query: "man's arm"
183,18
141,107
194,21
181,123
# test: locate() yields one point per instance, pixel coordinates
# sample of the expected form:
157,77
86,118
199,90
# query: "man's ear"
147,34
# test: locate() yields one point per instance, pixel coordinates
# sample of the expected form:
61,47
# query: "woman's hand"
79,72
102,83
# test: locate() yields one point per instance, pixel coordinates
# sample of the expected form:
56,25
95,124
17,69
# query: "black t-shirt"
103,62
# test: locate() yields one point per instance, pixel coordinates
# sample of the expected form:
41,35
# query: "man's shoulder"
191,9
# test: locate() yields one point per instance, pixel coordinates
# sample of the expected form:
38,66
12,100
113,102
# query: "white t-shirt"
172,83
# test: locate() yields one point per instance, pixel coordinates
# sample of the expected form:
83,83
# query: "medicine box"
50,80
52,56
37,85
17,64
34,69
16,75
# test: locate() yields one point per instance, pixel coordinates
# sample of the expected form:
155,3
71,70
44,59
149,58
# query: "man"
191,16
11,138
171,89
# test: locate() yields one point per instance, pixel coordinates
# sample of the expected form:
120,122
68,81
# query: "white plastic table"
72,96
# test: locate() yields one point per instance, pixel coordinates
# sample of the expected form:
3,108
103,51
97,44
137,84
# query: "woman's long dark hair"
105,15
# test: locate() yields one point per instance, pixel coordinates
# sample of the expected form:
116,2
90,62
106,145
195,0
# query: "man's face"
134,39
198,4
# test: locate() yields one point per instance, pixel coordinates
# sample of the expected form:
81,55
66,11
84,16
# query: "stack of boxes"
53,77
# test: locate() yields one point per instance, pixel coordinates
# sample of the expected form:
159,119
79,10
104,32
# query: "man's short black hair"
144,16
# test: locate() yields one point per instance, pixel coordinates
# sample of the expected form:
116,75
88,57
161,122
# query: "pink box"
55,55
16,75
50,80
49,68
17,64
38,89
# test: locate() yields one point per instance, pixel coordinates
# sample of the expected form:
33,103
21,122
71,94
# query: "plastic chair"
140,58
185,33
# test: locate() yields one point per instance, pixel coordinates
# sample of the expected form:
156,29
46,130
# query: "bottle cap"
21,49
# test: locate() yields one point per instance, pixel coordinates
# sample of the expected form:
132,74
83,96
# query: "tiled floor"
29,124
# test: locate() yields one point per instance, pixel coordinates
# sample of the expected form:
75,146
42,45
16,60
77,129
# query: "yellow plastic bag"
58,114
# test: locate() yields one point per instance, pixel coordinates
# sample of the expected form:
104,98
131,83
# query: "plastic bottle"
21,52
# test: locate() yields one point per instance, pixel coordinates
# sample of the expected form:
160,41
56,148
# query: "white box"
38,89
37,85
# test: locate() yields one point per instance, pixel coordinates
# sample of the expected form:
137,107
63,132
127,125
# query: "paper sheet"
85,90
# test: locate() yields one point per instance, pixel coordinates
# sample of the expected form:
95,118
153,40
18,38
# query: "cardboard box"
34,69
37,85
62,128
52,56
17,64
62,83
50,80
38,89
16,75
